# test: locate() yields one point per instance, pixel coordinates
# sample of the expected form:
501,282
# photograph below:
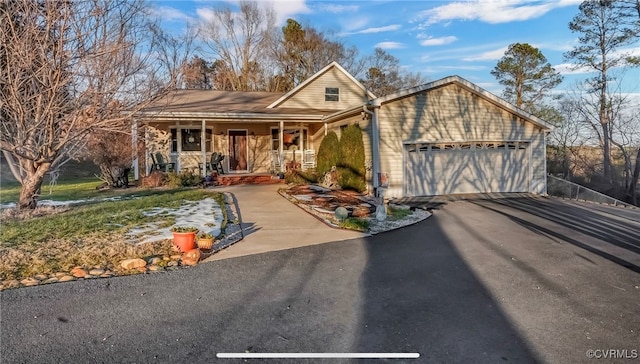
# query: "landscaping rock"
191,257
96,272
51,280
41,277
133,263
67,278
79,272
11,283
155,260
29,281
155,268
172,263
176,257
360,211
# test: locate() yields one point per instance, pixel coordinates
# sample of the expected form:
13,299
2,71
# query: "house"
444,137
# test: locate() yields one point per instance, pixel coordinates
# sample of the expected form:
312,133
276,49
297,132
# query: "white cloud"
390,45
571,69
205,14
283,9
492,55
492,11
287,9
356,22
438,41
168,13
387,28
337,9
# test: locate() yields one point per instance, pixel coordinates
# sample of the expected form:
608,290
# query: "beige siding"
312,95
450,113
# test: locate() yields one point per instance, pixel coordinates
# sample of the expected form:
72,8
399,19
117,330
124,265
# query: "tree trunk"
634,180
606,155
31,186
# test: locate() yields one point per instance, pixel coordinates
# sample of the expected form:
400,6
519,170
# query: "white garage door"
441,169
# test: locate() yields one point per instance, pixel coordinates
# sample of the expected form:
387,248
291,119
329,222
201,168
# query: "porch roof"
225,105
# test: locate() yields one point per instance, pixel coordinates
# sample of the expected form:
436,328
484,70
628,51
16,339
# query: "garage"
466,167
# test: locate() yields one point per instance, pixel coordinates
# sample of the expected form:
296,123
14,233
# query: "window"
291,138
191,140
331,94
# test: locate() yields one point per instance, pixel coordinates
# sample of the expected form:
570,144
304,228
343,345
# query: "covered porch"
246,147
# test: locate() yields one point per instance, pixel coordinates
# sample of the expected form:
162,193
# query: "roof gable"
311,92
470,87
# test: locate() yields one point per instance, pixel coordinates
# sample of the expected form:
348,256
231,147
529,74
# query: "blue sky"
435,38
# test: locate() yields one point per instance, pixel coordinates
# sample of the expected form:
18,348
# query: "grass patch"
355,223
397,214
73,189
89,235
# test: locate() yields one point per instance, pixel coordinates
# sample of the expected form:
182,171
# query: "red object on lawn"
184,241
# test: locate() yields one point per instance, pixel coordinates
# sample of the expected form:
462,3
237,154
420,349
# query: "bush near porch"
346,154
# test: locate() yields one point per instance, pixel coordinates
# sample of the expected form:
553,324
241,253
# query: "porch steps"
255,179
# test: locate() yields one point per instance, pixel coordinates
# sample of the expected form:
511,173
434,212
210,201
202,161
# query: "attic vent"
331,94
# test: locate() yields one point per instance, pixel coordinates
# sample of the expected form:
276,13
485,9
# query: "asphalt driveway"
510,280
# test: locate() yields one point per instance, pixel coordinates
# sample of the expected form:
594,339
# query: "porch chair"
158,163
215,163
309,159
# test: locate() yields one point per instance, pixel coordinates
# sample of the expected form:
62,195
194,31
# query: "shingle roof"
212,101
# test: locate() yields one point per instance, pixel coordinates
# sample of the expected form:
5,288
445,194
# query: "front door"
237,150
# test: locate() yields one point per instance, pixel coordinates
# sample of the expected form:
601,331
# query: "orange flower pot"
184,241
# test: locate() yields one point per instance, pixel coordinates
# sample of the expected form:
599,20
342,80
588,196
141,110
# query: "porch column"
203,147
325,129
146,150
134,147
281,147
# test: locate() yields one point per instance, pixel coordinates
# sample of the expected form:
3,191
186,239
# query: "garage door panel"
438,171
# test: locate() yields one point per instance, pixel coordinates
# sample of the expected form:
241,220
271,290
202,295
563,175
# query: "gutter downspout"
375,146
381,211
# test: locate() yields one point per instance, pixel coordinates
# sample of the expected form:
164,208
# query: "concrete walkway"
271,223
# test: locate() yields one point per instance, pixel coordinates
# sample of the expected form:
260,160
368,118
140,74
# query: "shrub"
351,170
328,153
183,179
299,177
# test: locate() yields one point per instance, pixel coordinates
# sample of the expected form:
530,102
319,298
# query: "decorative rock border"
376,227
151,265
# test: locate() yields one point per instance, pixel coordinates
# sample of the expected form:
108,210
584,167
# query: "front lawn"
89,235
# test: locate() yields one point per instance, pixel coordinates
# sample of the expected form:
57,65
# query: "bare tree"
68,69
300,52
196,74
384,74
237,41
567,138
604,27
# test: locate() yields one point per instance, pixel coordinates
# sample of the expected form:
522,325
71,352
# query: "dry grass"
57,255
25,214
55,239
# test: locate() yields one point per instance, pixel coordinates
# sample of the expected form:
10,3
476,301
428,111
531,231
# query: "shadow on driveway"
578,225
421,296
